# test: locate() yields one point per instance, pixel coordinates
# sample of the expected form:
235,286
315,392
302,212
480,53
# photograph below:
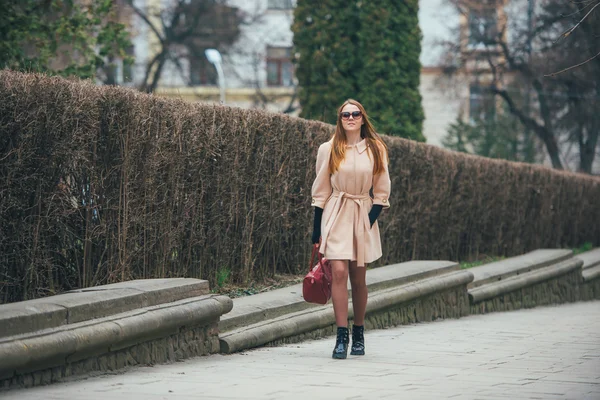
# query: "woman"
351,164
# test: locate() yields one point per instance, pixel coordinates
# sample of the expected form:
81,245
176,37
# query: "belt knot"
361,221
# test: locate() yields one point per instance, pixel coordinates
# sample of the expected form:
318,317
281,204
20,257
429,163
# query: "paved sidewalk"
543,353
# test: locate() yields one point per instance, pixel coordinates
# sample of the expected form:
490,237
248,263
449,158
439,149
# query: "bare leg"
339,291
359,292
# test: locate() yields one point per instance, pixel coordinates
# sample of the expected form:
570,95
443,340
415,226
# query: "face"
351,118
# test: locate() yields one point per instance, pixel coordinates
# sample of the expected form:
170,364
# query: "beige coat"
344,196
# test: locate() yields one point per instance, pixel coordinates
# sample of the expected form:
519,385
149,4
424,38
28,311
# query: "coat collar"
360,146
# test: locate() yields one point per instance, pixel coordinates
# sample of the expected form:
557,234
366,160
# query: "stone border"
76,342
590,274
253,309
543,276
91,338
590,258
96,302
322,317
590,288
528,279
188,342
106,328
500,270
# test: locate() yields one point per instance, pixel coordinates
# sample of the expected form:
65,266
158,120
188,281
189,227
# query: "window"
483,26
280,70
280,5
482,106
202,72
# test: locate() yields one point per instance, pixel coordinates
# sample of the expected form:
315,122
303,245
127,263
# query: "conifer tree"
390,45
326,43
368,51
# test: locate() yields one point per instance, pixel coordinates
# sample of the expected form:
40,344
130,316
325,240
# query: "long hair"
375,145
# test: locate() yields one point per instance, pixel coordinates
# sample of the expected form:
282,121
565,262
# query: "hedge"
102,184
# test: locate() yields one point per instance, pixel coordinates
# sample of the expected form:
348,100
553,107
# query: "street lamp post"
214,57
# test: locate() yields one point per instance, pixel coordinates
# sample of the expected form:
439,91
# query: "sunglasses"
355,114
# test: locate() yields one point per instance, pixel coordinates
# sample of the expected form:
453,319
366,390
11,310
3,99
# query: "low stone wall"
530,291
590,287
450,303
412,292
250,310
441,296
538,278
154,321
199,341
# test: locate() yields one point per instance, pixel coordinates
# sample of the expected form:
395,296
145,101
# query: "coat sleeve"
321,188
382,185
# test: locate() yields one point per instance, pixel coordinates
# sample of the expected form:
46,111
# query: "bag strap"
315,250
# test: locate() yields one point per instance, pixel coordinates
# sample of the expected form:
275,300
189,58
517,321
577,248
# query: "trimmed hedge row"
103,184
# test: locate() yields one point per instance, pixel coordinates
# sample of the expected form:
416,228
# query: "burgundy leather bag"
316,287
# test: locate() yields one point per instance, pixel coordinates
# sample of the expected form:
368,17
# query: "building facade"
259,73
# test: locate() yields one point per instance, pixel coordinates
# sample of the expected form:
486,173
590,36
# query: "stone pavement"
542,353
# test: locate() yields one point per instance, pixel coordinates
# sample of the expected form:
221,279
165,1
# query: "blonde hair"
375,145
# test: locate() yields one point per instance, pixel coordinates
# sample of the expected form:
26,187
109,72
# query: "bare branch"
144,17
573,66
569,31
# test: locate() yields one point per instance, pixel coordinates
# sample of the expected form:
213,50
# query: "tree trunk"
587,150
157,73
553,152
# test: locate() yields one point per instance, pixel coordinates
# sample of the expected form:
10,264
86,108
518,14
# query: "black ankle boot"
341,343
358,341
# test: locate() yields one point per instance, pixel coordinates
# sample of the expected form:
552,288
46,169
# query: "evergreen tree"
390,44
326,40
368,51
500,137
63,37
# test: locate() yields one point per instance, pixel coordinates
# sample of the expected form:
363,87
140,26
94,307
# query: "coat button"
384,200
313,201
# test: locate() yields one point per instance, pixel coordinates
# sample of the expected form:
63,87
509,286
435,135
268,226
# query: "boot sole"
339,356
357,353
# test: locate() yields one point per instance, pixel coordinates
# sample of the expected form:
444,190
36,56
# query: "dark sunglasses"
355,115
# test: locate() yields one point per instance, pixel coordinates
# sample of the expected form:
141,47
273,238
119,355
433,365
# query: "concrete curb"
253,309
501,270
271,318
591,264
96,302
590,274
56,347
142,322
531,278
590,288
322,316
590,258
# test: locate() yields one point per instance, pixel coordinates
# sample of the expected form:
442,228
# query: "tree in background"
493,131
363,50
327,46
390,45
555,57
63,37
501,137
183,29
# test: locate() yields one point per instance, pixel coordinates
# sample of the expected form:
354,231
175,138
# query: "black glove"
317,225
374,213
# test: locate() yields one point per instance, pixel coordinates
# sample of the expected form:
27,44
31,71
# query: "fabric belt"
361,221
